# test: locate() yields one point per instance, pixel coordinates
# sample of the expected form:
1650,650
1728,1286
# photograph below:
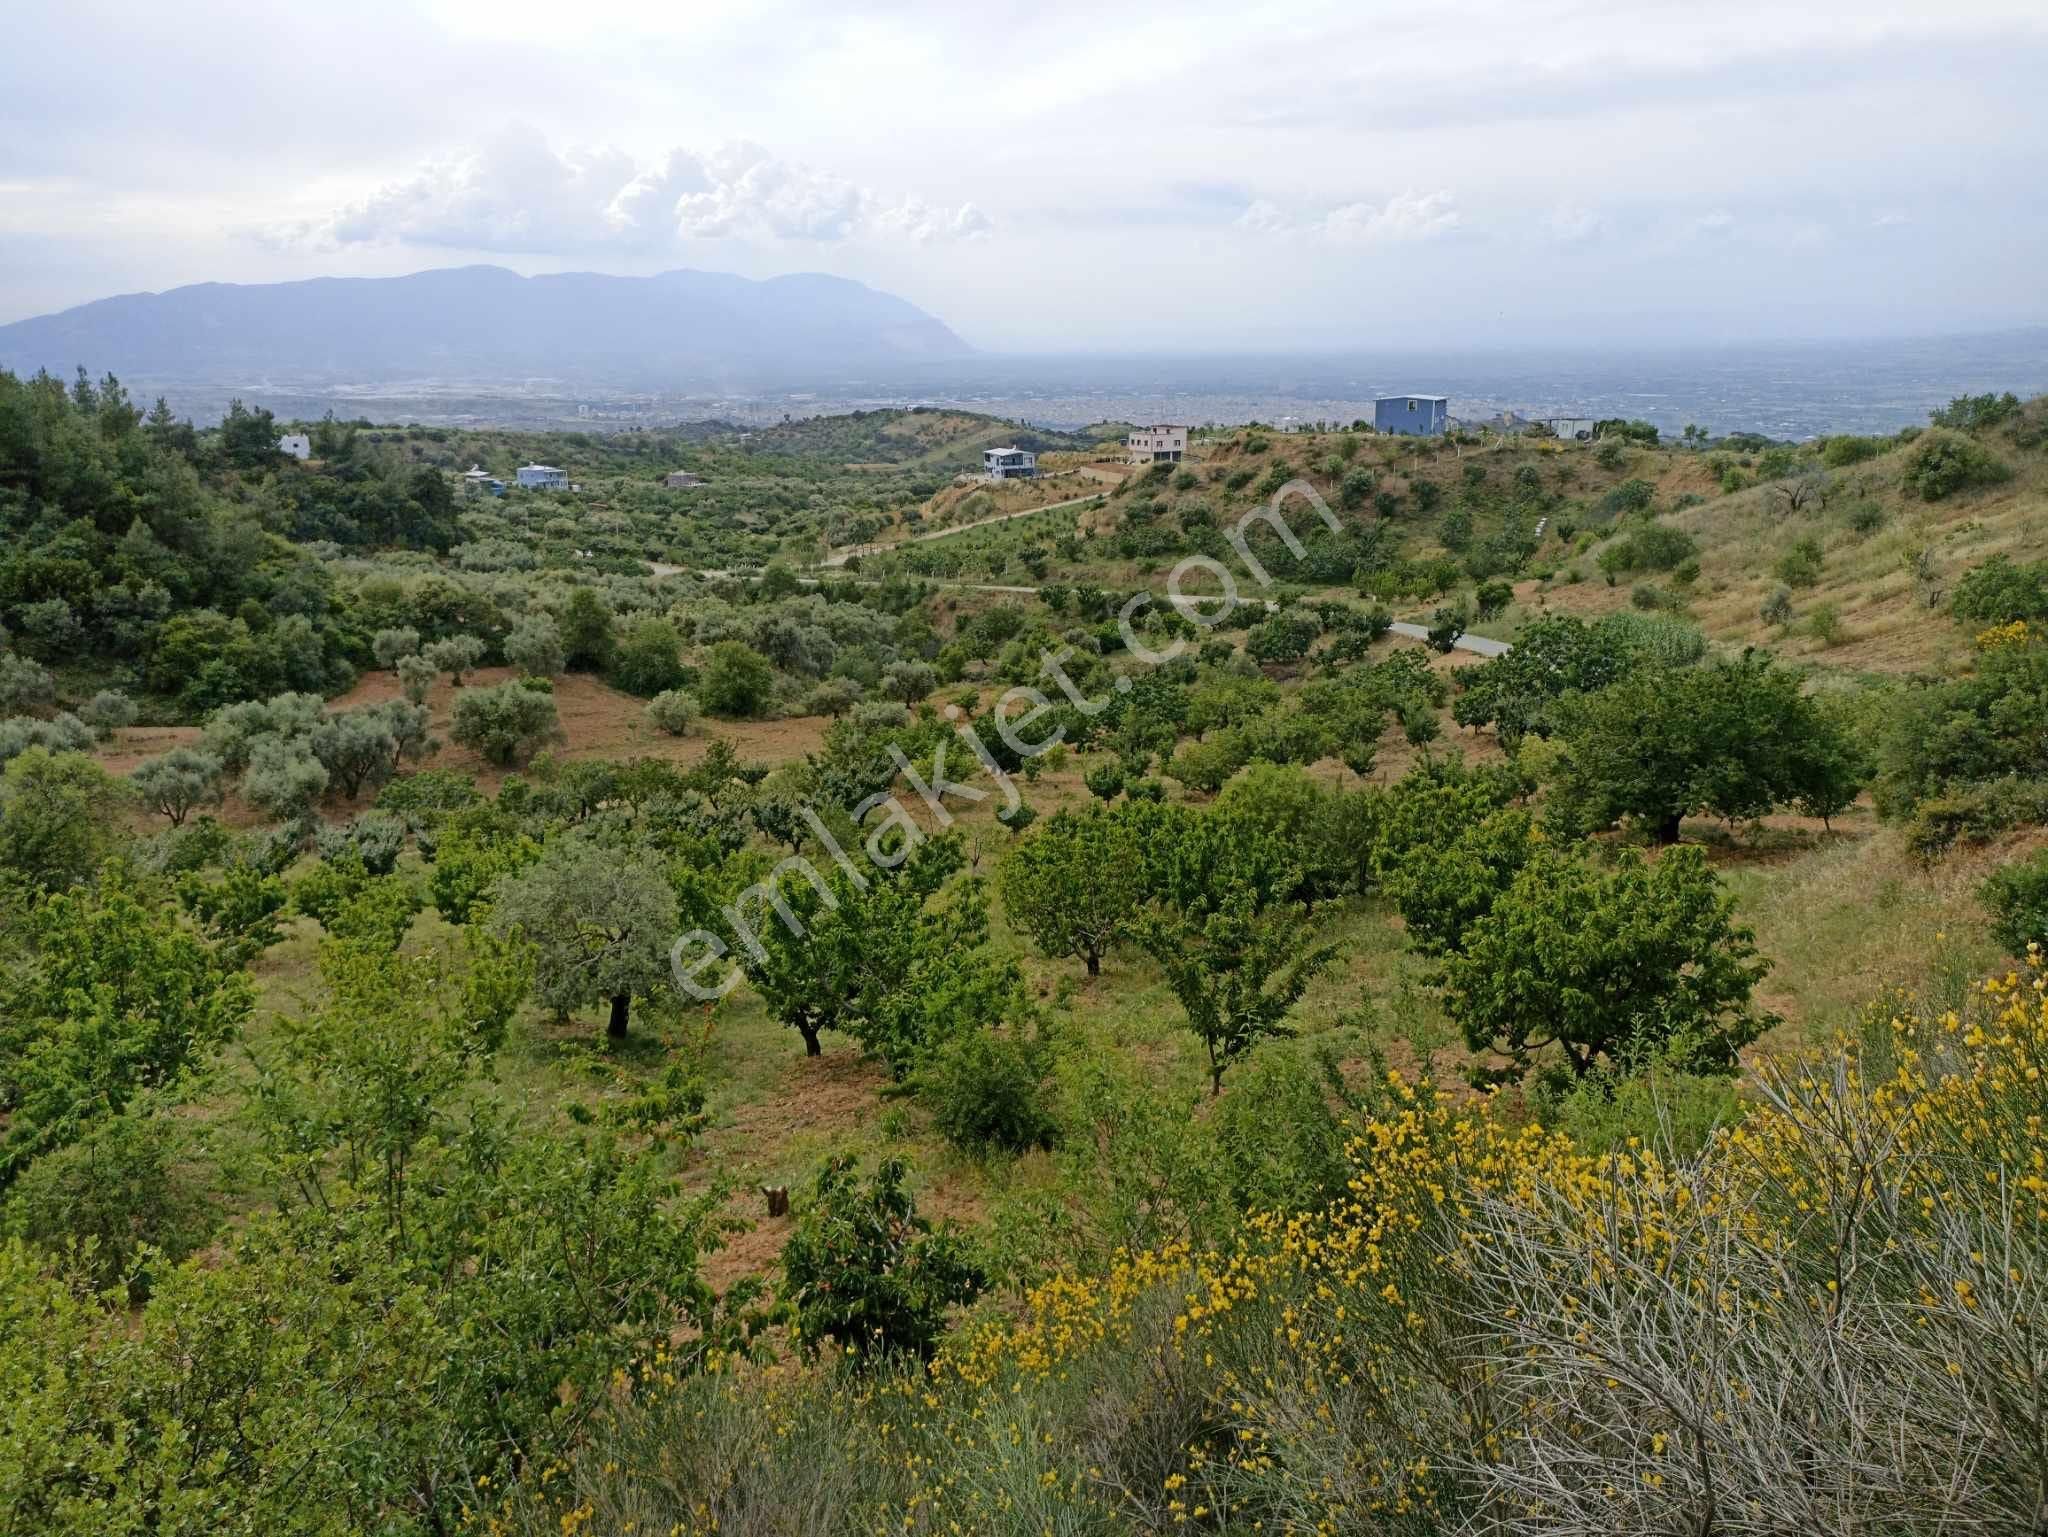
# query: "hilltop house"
1415,416
542,477
1568,427
297,444
1009,463
681,480
1157,445
478,481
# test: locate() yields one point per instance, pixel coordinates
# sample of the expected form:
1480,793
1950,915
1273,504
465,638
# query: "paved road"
1478,645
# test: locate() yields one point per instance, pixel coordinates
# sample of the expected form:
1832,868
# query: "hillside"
478,323
922,436
537,1011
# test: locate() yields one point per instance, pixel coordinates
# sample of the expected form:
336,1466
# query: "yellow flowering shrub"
1827,1320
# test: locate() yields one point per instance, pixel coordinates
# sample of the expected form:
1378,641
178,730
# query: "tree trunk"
810,1035
1667,828
615,1027
1094,964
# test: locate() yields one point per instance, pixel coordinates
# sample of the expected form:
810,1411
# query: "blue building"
543,477
1416,416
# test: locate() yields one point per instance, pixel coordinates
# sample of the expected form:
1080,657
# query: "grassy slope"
1892,620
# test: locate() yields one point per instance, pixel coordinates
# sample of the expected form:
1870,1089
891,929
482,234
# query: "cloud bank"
519,194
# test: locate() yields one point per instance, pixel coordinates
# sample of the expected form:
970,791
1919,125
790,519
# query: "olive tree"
107,712
535,646
284,778
457,656
600,921
357,748
179,782
506,724
390,647
416,676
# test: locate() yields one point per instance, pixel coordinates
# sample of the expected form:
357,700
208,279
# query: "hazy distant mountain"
483,322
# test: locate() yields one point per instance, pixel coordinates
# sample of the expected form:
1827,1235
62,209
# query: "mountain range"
481,323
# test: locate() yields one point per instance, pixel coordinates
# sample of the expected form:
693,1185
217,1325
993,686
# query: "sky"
1056,177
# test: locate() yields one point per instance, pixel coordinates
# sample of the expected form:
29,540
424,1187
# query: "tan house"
681,480
1157,445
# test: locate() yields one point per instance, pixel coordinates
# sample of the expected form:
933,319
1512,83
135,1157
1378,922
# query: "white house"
542,477
1157,445
1009,463
297,444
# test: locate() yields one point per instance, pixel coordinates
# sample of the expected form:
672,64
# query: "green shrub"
1967,413
1943,464
1663,1108
2017,896
671,711
107,711
2000,591
1975,814
116,1190
1800,566
1281,1130
1104,780
1840,452
505,724
1649,597
736,682
24,685
988,1091
1653,547
866,1272
1631,495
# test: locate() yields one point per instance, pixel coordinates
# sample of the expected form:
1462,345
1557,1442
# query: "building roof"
1384,399
988,451
545,469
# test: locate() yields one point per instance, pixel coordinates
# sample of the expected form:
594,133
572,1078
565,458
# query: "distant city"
1787,390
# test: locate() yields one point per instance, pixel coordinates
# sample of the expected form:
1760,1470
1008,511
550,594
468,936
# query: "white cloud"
1403,217
1265,218
519,194
1714,226
1574,224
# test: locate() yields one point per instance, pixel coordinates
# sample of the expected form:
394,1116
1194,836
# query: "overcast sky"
1057,177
